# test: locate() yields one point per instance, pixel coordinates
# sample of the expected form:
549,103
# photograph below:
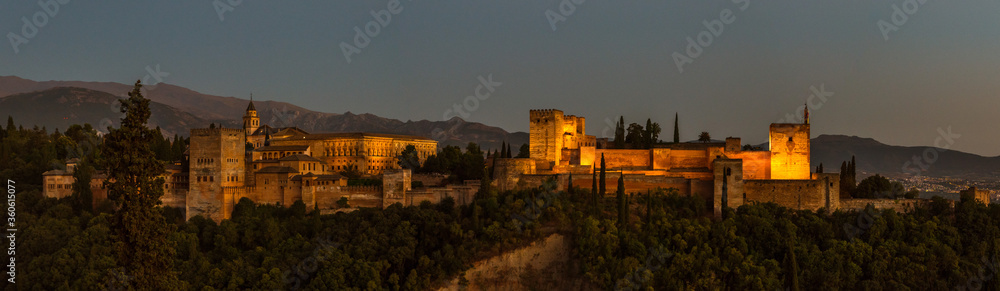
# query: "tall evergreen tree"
647,134
508,152
603,189
620,132
10,124
677,134
569,183
145,254
593,189
82,196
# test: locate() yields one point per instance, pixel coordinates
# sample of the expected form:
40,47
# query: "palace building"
281,166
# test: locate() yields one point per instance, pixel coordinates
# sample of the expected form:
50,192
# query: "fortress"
721,172
285,165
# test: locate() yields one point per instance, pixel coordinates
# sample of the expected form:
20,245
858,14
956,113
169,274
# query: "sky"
902,72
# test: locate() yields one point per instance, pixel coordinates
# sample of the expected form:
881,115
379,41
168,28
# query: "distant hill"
190,109
58,108
875,157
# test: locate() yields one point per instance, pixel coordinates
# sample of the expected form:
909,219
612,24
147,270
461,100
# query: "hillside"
876,157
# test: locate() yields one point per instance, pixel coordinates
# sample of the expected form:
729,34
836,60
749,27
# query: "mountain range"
177,109
58,104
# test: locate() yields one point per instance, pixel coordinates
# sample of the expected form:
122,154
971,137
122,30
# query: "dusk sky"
939,69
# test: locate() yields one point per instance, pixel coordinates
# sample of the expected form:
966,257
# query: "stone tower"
250,120
217,164
546,136
789,144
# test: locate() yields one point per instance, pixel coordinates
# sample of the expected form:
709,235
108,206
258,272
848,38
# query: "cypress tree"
10,124
620,133
82,195
648,134
569,184
508,152
139,232
593,189
603,189
677,134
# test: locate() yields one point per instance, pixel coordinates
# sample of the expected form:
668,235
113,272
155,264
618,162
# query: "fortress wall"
795,194
509,172
661,158
640,183
683,158
900,205
756,164
429,180
627,159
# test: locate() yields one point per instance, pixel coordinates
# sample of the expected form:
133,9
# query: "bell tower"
250,120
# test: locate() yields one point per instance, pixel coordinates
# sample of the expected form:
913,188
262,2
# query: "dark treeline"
267,247
27,153
667,242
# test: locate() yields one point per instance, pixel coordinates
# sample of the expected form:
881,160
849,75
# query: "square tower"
789,143
546,135
217,160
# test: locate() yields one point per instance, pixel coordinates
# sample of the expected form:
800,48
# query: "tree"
593,189
503,150
140,232
704,137
524,152
652,133
819,169
677,134
603,168
408,158
635,136
620,132
569,184
343,203
878,186
83,197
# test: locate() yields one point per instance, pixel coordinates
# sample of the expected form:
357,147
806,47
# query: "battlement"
540,113
215,131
